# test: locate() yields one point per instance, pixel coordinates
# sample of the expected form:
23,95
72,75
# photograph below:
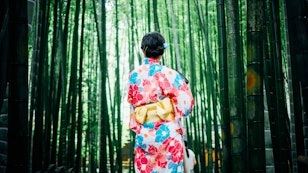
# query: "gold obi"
161,110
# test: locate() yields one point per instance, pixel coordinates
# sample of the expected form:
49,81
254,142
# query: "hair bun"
153,44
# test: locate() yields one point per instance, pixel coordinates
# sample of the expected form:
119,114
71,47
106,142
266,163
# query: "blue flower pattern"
162,133
154,69
133,78
178,82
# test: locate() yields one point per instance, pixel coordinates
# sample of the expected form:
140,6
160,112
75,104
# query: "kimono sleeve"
174,86
133,124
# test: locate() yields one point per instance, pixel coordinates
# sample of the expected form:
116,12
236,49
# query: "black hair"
153,44
186,148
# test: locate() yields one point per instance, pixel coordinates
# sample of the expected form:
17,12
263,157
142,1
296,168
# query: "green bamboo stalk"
255,101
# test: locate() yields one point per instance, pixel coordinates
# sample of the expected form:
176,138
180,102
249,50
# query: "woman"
159,98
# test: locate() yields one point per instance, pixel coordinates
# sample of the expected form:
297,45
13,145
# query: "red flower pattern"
175,148
141,161
152,150
135,95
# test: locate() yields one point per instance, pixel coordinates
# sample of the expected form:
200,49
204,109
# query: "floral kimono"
158,145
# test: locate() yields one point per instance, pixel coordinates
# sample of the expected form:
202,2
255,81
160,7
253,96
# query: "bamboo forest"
64,67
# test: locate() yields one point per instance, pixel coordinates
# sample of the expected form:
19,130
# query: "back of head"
153,44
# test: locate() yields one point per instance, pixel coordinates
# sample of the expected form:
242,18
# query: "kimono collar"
151,61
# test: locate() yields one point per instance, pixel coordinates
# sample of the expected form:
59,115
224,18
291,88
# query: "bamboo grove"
67,64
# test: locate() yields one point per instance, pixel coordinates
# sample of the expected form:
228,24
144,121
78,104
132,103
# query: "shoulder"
171,72
136,71
168,69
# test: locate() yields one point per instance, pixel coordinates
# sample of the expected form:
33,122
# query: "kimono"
158,145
